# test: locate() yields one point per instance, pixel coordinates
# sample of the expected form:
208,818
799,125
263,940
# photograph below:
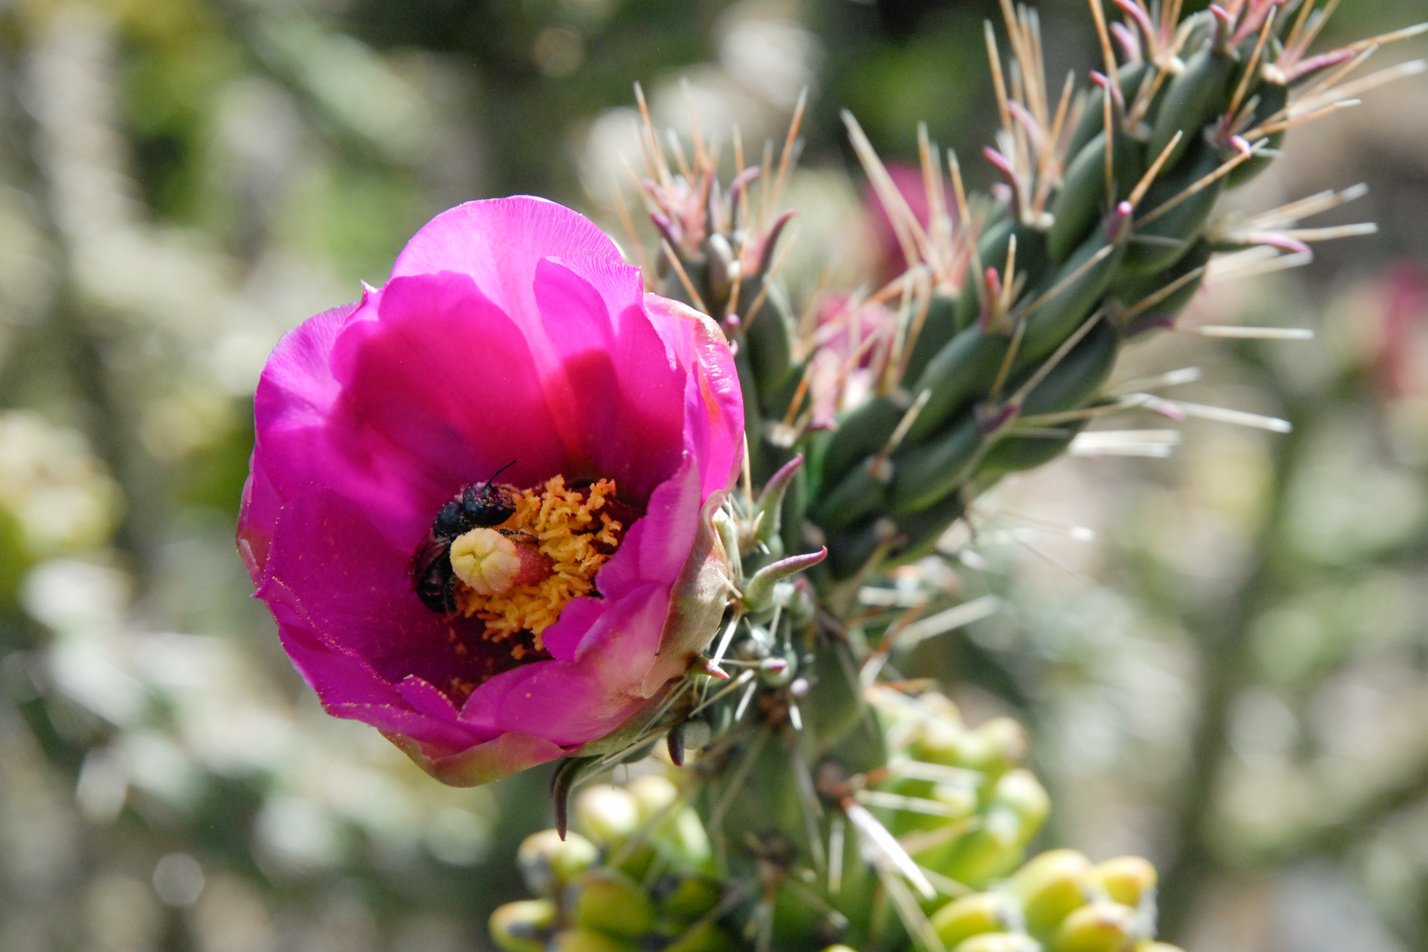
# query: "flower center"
517,576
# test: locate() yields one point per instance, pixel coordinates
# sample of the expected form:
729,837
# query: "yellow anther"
518,579
486,561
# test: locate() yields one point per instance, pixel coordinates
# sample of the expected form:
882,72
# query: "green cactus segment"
1114,223
1177,209
1128,81
963,370
767,336
994,250
926,474
1069,296
1083,199
862,433
1195,97
1269,102
938,326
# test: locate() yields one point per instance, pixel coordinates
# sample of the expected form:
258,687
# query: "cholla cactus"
828,807
486,632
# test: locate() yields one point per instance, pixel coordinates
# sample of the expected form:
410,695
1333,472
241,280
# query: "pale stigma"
486,561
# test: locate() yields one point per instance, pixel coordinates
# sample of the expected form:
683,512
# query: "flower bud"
1101,926
523,926
587,940
548,863
1050,886
973,914
607,901
1126,879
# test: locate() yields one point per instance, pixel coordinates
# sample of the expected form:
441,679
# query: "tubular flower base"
481,497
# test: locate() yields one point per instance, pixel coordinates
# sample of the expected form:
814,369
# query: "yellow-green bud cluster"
957,797
1058,902
638,877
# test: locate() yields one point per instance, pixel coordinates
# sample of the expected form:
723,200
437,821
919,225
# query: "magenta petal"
511,332
441,390
714,424
635,435
596,694
482,762
499,243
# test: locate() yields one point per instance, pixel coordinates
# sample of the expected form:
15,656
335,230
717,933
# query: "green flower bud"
1126,879
705,937
523,926
548,863
993,748
973,914
607,901
691,897
1101,926
998,942
1019,792
1050,886
586,940
609,815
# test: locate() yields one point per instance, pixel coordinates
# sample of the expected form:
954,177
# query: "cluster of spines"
1102,228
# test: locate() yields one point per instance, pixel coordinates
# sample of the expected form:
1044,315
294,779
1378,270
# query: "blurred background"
1222,656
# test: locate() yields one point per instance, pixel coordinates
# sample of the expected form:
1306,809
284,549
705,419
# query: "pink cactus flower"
480,499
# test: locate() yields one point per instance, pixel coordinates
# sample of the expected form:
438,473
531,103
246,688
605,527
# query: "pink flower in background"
480,499
912,186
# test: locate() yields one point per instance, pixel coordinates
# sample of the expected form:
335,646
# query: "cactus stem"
1128,316
899,432
1049,364
1203,182
1141,187
1025,311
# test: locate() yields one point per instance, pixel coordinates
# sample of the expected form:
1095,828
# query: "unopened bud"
1126,879
548,863
611,903
998,942
607,814
587,940
704,937
1101,926
970,915
523,926
1050,886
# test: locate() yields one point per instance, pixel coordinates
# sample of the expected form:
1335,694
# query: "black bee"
476,506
